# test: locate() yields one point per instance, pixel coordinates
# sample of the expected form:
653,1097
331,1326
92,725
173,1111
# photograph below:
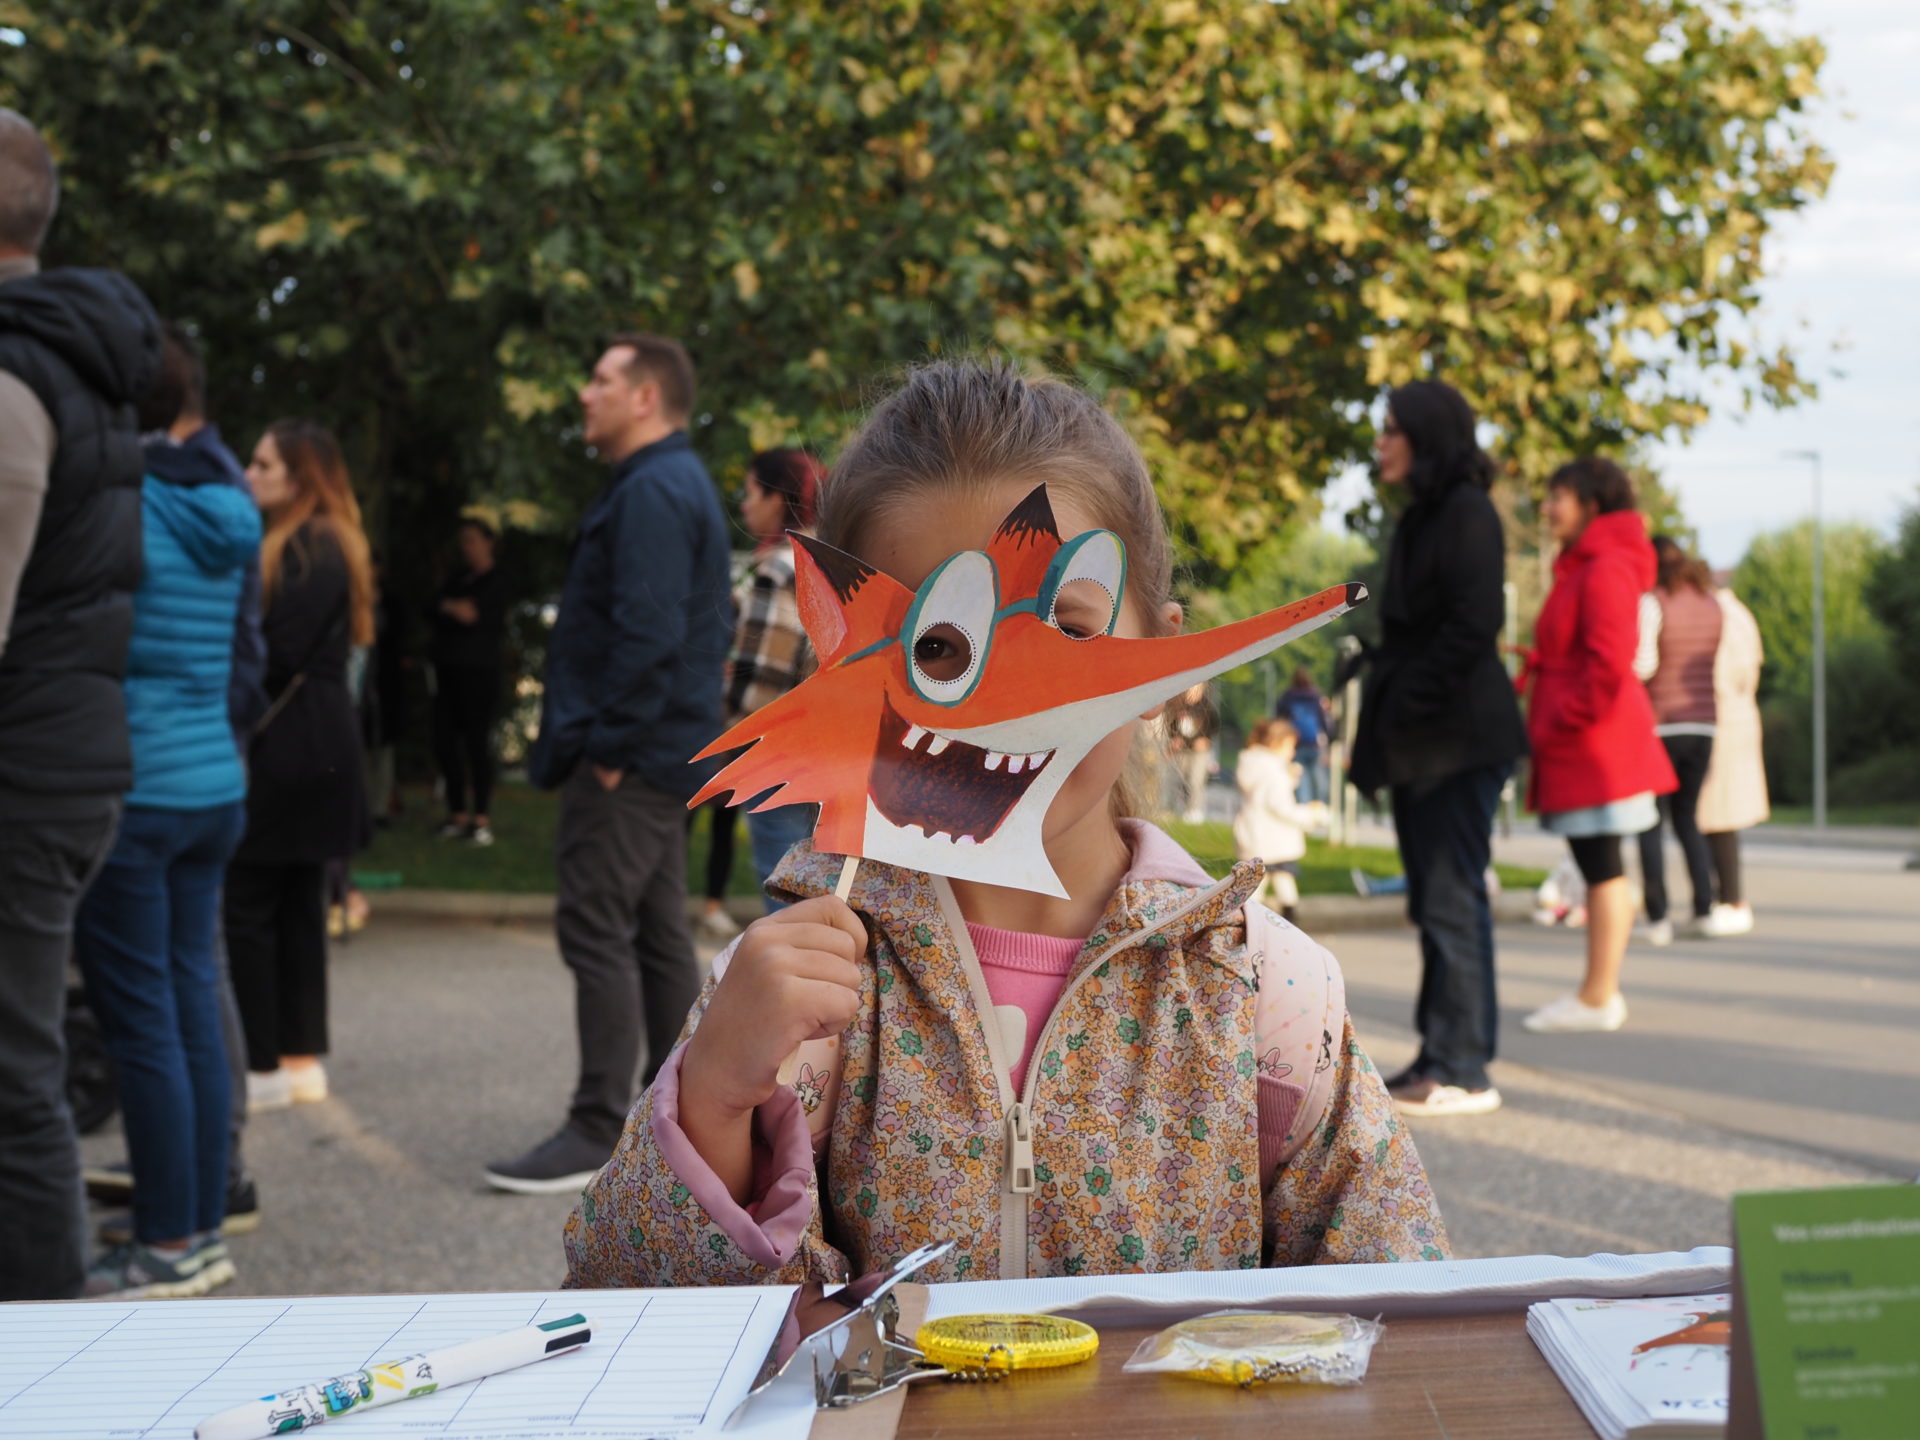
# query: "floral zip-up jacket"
1135,1145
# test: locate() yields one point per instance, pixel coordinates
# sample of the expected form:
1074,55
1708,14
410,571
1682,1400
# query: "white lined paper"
662,1363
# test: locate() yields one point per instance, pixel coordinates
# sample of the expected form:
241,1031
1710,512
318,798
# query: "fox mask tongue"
942,722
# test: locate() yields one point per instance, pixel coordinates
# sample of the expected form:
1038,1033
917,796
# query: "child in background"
1149,1074
1272,824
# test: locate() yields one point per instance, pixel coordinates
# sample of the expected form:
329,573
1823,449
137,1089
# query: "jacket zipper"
1017,1161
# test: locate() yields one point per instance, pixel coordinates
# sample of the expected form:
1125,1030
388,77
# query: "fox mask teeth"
953,772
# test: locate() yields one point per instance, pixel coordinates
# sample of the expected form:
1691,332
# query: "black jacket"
478,646
1437,699
635,661
87,344
306,800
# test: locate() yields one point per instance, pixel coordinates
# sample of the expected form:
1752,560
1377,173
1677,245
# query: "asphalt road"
1788,1059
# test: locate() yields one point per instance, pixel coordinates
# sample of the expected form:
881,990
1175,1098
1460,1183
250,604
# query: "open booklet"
1640,1369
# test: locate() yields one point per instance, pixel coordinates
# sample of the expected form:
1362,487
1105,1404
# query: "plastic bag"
1260,1347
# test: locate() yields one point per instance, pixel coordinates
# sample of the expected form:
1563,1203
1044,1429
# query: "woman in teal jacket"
145,932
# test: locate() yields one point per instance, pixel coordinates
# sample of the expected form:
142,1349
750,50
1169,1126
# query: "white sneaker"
1570,1015
718,924
1657,933
268,1090
306,1084
1724,920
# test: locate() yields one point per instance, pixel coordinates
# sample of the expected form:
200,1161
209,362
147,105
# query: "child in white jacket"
1272,822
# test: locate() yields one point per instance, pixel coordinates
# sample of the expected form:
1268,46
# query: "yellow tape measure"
1006,1342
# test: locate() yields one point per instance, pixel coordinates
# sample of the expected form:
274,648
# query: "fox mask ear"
845,604
1024,545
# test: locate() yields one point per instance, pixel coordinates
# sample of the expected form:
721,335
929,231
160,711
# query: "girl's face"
1392,453
908,546
273,484
763,510
476,548
1567,514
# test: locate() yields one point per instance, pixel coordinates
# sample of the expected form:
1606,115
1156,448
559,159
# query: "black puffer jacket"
87,344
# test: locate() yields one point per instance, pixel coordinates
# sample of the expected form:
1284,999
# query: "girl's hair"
1302,679
794,476
966,426
1271,732
1439,426
322,494
1596,481
480,526
1678,568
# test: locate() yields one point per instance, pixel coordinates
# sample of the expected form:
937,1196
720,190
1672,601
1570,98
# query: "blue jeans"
1313,774
1445,829
773,833
145,937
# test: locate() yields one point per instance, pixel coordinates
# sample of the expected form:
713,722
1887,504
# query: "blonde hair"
973,424
1271,733
323,494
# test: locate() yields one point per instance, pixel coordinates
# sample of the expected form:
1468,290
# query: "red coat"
1590,722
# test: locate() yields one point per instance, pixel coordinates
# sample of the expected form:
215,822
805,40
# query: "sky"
1843,289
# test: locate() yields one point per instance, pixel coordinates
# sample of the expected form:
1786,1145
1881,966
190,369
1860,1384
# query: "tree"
1775,580
1236,221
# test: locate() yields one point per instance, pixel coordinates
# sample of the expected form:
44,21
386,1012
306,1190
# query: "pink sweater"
1025,975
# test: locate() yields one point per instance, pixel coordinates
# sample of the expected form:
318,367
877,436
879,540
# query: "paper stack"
1641,1369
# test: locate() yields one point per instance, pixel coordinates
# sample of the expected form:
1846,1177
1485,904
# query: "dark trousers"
1445,829
145,938
723,830
1724,846
621,918
464,702
51,846
1689,754
233,1036
277,945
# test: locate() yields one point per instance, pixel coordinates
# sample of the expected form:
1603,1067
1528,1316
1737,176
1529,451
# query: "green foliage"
1235,220
1893,594
1775,579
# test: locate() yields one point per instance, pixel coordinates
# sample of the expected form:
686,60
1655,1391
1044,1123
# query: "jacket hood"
96,320
217,525
1621,537
180,464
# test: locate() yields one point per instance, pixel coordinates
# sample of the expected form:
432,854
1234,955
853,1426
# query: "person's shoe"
1423,1095
306,1084
1725,920
452,830
268,1090
719,924
216,1265
243,1206
480,836
563,1163
1571,1015
139,1272
336,922
109,1184
1657,933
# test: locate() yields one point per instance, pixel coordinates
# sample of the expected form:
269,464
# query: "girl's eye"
943,653
949,627
1083,591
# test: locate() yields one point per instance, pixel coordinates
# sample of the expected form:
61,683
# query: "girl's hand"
794,977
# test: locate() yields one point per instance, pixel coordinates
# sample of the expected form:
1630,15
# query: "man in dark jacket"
77,349
633,688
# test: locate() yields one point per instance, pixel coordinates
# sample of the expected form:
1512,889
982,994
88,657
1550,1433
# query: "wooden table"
1472,1377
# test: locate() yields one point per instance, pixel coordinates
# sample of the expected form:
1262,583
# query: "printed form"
661,1364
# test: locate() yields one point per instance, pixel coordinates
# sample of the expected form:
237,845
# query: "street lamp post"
1812,457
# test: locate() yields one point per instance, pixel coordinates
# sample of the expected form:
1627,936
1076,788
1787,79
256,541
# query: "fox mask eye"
1080,596
949,628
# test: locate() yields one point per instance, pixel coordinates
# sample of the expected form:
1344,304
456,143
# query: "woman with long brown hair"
306,803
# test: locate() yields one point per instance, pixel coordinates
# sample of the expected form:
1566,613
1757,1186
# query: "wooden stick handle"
789,1070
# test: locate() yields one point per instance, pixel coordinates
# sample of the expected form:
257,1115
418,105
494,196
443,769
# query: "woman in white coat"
1734,794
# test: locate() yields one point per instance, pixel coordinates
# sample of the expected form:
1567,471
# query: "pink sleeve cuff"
769,1228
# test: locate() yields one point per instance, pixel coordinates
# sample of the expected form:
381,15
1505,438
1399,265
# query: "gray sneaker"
139,1272
556,1166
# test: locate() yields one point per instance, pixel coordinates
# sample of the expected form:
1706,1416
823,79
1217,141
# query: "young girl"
1083,1085
1272,824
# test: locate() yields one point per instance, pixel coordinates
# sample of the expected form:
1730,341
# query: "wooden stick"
789,1070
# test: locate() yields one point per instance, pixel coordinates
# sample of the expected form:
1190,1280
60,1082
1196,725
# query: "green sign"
1831,1284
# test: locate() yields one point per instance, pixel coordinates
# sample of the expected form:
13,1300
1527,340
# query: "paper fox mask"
942,722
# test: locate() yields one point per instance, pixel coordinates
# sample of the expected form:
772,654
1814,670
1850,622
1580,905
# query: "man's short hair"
181,386
29,184
666,363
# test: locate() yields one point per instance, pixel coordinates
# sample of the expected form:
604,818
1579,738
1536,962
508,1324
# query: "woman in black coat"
1439,726
306,800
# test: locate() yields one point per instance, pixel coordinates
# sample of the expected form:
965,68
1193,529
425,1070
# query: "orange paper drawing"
941,723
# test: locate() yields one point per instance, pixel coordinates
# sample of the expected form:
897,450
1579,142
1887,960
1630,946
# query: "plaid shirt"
771,653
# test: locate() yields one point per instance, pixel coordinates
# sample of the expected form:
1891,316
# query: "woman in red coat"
1597,764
